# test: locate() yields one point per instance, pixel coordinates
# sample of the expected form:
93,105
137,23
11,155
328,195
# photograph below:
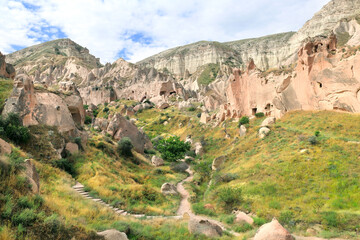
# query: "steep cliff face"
6,69
186,59
325,78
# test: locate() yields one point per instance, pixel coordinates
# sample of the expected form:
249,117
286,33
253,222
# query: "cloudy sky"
135,29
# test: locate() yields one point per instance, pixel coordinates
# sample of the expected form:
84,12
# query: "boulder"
101,123
129,112
242,131
199,150
217,163
168,189
205,118
157,161
113,234
202,226
32,175
273,231
268,122
120,127
188,139
242,217
72,148
5,148
163,105
138,108
263,132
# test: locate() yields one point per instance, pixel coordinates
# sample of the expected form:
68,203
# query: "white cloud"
105,26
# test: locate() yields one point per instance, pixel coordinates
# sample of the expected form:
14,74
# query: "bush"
11,127
243,228
229,219
244,120
150,151
66,165
191,109
27,217
313,140
229,198
259,114
190,154
330,219
259,221
199,208
317,133
172,149
88,120
199,115
286,218
124,147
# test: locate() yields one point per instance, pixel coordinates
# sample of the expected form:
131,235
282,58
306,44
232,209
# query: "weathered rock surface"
242,131
72,148
6,69
120,127
268,122
273,231
32,175
113,234
199,150
202,226
242,217
43,107
205,118
168,189
217,163
5,147
263,132
157,161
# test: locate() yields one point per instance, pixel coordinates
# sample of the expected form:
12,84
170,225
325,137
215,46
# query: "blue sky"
136,29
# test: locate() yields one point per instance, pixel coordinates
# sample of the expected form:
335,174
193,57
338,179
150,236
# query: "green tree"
124,147
172,148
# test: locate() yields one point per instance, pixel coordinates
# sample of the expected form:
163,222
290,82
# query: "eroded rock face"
157,161
202,226
218,162
32,175
273,231
168,189
120,127
263,132
43,107
113,234
6,70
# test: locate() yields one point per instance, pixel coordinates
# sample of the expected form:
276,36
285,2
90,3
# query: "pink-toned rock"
205,118
113,234
197,225
157,161
242,130
268,122
242,217
6,70
72,148
163,105
32,175
273,231
5,148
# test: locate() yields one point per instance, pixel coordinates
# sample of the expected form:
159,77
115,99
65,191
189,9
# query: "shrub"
286,218
156,140
150,151
191,109
199,115
259,114
229,198
124,147
244,120
190,154
24,202
66,164
317,133
95,112
88,120
52,223
27,217
86,107
229,219
274,205
172,149
330,219
12,128
259,221
313,140
243,228
199,208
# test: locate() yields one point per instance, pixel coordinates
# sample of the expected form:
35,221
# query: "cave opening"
254,111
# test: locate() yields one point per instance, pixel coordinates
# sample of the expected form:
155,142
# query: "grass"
6,86
209,74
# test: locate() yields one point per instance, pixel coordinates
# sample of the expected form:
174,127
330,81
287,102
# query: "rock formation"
32,175
157,161
38,106
6,70
168,189
202,226
113,234
273,231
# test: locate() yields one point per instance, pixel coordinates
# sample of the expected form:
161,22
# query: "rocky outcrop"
242,217
113,234
5,148
6,69
218,162
157,161
32,175
120,127
263,132
72,148
39,106
168,189
268,122
242,131
202,226
273,231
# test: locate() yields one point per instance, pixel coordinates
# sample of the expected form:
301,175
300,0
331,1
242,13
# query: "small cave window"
320,85
172,92
268,106
162,93
133,91
254,110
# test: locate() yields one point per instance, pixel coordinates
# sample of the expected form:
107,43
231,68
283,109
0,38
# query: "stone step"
96,199
120,211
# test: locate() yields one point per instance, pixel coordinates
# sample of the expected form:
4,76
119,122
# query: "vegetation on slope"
6,86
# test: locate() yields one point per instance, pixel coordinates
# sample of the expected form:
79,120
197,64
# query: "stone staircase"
79,188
